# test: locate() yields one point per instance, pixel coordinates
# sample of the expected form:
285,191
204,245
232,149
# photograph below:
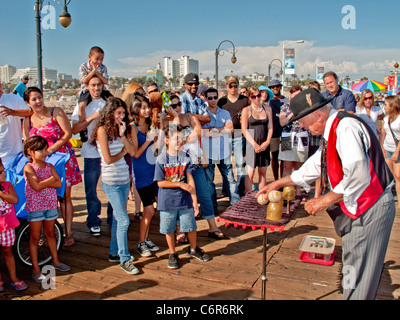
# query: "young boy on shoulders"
177,195
87,70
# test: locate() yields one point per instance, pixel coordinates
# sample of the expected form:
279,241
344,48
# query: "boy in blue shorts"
177,195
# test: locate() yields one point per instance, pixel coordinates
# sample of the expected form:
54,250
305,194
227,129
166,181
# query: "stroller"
15,174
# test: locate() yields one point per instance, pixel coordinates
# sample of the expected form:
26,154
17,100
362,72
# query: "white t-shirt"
11,133
88,150
374,114
389,144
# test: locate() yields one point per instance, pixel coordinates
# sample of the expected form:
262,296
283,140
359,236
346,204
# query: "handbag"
286,143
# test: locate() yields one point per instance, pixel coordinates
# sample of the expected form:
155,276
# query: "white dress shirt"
352,144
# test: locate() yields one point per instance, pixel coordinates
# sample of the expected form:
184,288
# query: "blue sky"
136,35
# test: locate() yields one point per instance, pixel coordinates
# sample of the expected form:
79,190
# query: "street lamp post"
283,56
65,21
269,68
217,53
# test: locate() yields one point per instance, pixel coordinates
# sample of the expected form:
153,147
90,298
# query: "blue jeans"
118,197
238,147
91,175
203,195
227,178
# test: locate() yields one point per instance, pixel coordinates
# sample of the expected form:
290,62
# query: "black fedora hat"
305,102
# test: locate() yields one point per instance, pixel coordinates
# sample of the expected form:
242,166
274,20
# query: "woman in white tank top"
111,136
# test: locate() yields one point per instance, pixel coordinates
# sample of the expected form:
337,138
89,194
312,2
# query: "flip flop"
216,235
69,241
1,286
19,286
182,238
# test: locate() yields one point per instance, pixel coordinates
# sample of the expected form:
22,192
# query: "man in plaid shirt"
191,102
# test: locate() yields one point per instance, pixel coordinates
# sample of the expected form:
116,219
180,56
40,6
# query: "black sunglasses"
212,97
174,105
155,90
193,84
233,85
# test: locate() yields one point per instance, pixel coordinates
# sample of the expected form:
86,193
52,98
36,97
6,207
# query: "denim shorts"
168,220
47,215
390,154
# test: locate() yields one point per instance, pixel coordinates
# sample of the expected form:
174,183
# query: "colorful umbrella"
374,86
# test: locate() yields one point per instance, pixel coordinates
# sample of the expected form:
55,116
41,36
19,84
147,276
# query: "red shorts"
7,238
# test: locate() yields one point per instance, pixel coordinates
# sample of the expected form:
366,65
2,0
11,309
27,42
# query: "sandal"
1,286
222,195
181,238
138,215
19,286
216,234
69,241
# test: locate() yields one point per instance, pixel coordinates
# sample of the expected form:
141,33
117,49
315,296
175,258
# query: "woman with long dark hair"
111,136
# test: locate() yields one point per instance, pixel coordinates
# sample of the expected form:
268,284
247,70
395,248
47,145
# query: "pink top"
45,199
52,132
8,217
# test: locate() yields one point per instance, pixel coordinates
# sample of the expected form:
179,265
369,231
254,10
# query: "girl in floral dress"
53,125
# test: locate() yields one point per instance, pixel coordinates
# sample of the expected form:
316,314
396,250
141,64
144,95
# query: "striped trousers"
364,249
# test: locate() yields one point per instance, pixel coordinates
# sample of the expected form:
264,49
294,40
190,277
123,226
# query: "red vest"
379,172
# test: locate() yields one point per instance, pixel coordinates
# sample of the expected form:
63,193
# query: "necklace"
259,110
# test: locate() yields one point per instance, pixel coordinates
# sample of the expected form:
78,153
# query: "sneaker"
129,267
173,261
144,250
95,231
198,254
115,258
62,267
39,277
151,245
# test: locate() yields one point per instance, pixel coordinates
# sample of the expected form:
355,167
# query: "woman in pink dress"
53,125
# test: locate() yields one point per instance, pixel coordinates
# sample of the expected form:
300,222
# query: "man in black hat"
359,201
191,102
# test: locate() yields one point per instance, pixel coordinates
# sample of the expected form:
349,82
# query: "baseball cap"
191,77
232,79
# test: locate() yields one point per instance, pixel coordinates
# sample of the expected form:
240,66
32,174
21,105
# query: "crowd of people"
165,158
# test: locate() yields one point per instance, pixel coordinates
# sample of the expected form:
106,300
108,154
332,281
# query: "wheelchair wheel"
21,245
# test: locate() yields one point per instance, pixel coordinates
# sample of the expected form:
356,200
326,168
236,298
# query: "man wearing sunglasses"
191,102
152,88
276,104
216,143
234,103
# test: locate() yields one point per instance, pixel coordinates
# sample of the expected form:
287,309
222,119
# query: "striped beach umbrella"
374,86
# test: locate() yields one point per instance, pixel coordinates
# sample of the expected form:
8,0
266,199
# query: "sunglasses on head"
233,85
255,97
174,105
212,97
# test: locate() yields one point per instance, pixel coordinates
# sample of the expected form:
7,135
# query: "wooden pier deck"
234,272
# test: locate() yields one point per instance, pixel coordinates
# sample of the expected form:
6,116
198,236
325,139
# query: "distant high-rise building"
6,73
181,67
156,74
171,68
31,72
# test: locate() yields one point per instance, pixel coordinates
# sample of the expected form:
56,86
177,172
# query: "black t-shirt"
234,108
276,105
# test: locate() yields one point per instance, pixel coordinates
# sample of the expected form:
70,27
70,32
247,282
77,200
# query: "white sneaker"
95,231
151,245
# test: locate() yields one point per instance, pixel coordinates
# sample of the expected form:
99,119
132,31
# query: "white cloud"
374,63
